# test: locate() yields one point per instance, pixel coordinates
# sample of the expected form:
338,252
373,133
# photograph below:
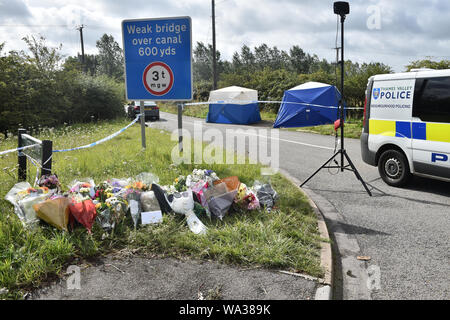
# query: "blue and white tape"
18,149
102,140
262,101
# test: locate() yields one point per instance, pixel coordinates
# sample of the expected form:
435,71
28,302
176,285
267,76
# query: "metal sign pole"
180,126
144,145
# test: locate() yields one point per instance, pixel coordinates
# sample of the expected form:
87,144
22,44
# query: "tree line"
42,88
39,88
272,71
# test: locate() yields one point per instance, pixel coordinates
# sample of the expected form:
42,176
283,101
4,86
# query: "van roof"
413,74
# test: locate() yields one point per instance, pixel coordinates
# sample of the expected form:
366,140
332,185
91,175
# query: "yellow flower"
176,180
109,195
98,205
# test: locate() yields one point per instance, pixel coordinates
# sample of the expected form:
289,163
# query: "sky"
393,32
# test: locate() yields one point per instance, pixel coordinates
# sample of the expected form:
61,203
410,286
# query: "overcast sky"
390,31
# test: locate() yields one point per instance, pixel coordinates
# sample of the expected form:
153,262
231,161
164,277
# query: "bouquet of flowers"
50,181
201,174
23,197
180,184
246,198
85,188
54,211
133,197
83,210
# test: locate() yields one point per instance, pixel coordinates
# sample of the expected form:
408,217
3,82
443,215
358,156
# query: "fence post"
47,150
22,159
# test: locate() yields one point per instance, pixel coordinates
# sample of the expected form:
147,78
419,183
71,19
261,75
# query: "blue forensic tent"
309,104
234,105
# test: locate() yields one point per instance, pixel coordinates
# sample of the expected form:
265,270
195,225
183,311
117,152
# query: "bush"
95,98
35,91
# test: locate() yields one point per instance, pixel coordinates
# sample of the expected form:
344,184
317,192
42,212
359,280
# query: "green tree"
74,63
47,60
426,63
110,57
202,63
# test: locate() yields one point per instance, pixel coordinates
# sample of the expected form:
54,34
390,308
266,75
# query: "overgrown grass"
285,238
200,111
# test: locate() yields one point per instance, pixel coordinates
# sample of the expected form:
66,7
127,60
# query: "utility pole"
214,46
80,28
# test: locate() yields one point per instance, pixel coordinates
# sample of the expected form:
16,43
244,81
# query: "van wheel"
393,168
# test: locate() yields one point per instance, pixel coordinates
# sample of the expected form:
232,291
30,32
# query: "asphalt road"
404,231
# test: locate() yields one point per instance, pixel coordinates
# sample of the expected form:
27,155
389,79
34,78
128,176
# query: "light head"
341,8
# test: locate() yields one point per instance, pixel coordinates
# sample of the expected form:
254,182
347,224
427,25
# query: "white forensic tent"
234,105
235,94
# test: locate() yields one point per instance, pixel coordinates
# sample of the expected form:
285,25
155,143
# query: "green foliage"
426,63
272,71
36,90
202,89
202,63
110,57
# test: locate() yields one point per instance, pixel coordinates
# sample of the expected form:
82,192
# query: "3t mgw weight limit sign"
158,78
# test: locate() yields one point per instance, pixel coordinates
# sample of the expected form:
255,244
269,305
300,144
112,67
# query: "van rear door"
431,126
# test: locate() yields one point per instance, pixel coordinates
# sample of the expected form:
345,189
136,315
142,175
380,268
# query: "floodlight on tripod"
341,8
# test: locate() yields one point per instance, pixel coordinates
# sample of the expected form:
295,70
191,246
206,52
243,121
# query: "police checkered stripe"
412,130
262,101
102,140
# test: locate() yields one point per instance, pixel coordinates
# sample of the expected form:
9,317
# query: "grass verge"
285,238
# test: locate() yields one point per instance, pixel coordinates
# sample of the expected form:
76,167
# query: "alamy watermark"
236,146
374,19
374,278
73,281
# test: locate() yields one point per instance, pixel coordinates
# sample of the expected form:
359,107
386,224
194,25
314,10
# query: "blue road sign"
158,58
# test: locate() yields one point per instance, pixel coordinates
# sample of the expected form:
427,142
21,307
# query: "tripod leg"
334,155
356,173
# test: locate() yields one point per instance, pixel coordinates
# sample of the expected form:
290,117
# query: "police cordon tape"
18,149
78,148
102,140
186,104
263,101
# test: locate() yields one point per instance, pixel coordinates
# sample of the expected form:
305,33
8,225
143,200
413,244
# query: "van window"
432,99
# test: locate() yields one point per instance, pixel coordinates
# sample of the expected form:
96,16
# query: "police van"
406,126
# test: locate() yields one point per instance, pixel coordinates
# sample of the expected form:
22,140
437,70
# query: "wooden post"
47,150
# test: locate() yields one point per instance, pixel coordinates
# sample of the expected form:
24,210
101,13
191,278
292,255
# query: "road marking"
285,140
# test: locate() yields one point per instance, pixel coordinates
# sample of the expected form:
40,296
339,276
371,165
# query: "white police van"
406,128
